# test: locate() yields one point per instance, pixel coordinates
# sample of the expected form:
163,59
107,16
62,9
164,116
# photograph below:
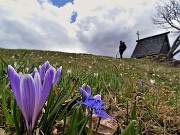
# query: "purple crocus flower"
31,92
43,69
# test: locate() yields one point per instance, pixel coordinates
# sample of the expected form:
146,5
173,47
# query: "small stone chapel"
153,45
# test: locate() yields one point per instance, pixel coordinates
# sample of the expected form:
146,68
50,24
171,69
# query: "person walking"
122,48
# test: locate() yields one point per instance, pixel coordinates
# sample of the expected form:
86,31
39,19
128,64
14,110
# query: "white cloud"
27,24
99,26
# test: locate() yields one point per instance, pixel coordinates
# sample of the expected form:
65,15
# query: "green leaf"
73,122
83,122
19,125
83,126
80,128
133,115
43,122
4,62
76,116
1,70
65,116
139,128
128,130
19,62
8,117
62,100
56,108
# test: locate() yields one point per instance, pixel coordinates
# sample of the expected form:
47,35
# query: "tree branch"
168,15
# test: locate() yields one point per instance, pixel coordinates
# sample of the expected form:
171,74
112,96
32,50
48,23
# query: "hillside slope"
153,86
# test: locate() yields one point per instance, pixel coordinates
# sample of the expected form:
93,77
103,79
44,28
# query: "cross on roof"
138,34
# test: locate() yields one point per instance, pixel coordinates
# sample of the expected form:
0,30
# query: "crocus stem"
90,121
98,124
29,132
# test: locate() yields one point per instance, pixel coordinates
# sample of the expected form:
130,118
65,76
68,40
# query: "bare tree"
168,17
172,52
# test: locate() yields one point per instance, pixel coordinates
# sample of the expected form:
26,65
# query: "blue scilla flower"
92,103
95,104
102,113
32,90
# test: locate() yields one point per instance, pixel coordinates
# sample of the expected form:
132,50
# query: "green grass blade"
73,122
81,128
82,132
133,115
18,120
8,117
43,122
139,128
128,131
1,70
83,122
59,104
64,126
21,58
4,62
56,108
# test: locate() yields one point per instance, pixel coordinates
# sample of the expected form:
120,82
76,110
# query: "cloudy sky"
79,26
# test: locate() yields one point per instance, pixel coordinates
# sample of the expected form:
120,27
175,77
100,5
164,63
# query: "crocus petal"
34,71
27,91
43,69
38,87
15,84
57,75
47,84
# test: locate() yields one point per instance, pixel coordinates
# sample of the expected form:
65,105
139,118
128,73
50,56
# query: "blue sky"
75,26
73,17
61,3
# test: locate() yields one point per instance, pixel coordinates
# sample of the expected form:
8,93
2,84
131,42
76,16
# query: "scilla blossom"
32,90
94,103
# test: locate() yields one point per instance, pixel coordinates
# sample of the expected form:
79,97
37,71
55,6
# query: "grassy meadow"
142,90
